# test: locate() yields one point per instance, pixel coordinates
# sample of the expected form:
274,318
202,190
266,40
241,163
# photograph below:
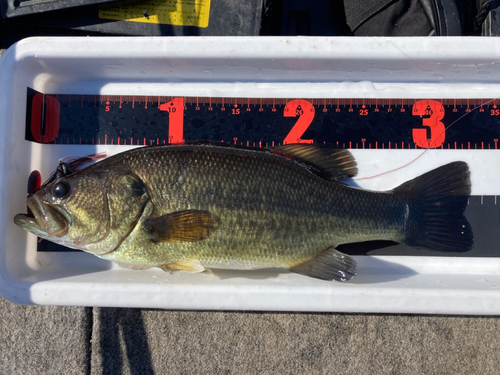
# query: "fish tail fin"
435,212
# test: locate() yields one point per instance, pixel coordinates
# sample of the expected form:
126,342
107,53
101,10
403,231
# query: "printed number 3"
432,112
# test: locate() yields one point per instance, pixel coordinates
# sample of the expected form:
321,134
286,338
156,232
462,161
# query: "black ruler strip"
261,122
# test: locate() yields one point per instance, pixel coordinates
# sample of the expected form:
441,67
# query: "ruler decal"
343,122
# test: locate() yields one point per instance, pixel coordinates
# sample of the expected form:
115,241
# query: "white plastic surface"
297,67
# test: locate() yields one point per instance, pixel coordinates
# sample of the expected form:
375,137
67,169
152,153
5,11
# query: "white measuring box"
466,70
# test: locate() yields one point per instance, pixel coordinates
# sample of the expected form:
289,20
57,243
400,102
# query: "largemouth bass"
195,207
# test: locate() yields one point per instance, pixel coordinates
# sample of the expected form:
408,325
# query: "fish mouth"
42,219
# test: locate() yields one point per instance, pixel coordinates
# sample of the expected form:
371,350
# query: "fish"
194,207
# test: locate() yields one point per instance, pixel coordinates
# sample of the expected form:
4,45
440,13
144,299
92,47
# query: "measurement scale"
265,122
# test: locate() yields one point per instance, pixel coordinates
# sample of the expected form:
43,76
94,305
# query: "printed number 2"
432,112
305,111
175,109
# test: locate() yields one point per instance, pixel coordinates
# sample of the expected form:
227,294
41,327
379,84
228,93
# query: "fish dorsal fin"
181,226
325,162
329,163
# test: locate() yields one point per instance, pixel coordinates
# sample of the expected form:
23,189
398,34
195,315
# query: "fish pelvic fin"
182,226
435,210
192,267
328,265
132,267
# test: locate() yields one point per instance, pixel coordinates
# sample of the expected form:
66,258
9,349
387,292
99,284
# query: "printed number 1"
432,112
175,109
304,110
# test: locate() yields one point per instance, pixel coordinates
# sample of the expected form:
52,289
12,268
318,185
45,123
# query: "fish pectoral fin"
131,267
328,163
182,226
193,267
329,265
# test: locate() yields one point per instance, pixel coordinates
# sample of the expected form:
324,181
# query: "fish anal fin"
328,163
328,265
192,267
182,226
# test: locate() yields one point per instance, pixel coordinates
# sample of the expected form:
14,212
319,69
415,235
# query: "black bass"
191,207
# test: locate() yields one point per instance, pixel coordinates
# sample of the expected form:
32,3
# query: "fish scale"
289,215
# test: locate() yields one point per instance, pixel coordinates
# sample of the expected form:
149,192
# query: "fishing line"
429,147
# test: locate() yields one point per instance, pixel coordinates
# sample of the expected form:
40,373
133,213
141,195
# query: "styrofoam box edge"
245,67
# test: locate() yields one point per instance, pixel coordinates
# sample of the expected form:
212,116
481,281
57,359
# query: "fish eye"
61,190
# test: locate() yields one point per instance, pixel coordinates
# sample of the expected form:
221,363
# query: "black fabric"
450,17
399,18
378,17
357,12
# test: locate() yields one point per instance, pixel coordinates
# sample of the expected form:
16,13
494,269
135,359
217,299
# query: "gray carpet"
141,341
44,340
70,340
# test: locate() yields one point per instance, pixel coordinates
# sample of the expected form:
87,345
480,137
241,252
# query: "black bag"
405,17
380,17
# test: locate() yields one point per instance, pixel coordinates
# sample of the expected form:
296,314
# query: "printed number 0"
305,110
434,113
45,130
